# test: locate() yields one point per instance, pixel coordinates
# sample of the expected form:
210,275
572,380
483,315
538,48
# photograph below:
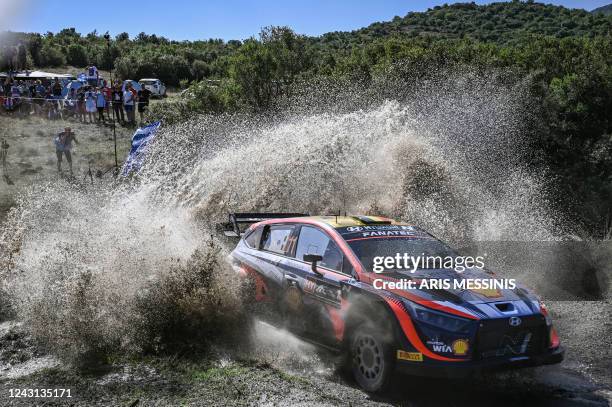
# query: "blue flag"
140,140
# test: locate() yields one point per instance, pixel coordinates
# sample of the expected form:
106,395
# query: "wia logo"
443,348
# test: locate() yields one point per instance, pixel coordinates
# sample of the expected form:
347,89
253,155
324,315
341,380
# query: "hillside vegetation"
604,10
564,54
501,24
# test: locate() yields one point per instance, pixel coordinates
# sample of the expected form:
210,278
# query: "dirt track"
282,370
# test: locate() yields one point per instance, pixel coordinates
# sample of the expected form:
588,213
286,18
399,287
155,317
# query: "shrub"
76,55
52,56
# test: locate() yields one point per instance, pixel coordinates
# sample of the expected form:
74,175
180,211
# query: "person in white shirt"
129,99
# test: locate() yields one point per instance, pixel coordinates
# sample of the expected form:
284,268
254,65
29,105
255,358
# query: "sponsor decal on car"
388,233
438,346
310,286
410,356
293,299
461,347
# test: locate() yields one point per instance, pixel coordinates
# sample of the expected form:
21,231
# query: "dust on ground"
282,370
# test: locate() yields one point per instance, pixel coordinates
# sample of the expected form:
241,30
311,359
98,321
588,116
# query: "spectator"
40,88
51,107
26,105
38,102
90,104
15,99
70,103
106,90
81,104
143,101
57,89
117,97
9,105
100,105
92,75
63,145
128,103
15,91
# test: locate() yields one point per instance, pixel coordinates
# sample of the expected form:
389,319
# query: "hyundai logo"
515,321
354,229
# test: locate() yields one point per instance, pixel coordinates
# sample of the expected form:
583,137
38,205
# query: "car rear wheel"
372,360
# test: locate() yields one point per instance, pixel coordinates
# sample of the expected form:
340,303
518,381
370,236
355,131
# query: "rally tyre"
371,359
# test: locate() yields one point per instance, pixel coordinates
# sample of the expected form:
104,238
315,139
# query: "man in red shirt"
107,92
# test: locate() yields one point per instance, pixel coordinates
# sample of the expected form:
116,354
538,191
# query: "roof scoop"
372,220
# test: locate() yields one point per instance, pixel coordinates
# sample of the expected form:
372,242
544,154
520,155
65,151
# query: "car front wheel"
371,359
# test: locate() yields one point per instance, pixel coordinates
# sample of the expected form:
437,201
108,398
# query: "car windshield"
426,249
147,82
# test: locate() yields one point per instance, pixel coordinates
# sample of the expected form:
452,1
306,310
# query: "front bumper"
429,368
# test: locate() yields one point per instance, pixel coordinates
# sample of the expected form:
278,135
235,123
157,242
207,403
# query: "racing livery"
314,275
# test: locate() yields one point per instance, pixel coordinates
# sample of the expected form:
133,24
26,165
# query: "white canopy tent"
37,75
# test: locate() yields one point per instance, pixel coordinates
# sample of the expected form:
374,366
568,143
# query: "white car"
155,86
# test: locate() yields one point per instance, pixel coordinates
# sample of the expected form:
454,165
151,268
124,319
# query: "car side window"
314,241
278,239
254,238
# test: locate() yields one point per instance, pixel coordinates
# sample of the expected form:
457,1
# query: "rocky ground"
281,370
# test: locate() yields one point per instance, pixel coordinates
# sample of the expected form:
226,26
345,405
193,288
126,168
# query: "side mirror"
314,259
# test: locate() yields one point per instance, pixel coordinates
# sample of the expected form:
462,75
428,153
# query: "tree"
289,54
35,44
252,69
52,56
76,55
8,55
122,37
200,69
22,57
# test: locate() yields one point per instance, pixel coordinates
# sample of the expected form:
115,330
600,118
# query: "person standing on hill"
92,75
57,89
117,98
100,105
143,101
63,145
40,88
90,104
107,92
128,103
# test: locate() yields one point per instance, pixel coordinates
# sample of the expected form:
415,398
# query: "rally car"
315,275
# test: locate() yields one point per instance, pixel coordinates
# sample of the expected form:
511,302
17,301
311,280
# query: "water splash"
450,156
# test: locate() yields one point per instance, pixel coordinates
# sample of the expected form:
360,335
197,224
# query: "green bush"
77,55
52,56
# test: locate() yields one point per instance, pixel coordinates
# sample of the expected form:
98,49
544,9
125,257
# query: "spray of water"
449,155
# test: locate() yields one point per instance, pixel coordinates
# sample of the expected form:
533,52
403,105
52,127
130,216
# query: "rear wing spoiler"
232,228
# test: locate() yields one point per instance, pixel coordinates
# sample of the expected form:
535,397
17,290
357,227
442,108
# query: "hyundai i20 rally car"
316,275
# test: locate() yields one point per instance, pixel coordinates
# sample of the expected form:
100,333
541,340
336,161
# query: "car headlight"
544,311
439,319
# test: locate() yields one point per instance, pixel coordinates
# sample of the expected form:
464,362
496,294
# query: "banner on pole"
141,138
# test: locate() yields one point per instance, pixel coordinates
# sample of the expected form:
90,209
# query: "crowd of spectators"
95,101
